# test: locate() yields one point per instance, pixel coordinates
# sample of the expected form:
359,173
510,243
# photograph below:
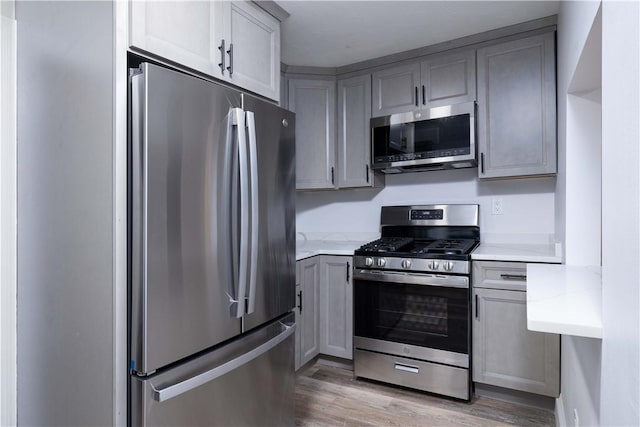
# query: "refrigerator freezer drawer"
247,382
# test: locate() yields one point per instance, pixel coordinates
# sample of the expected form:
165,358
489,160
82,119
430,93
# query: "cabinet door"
395,90
313,101
185,32
505,352
517,108
253,38
448,79
309,309
336,307
296,310
354,140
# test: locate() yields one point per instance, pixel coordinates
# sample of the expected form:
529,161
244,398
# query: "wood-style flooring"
329,396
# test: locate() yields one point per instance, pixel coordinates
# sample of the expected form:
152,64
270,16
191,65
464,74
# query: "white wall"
66,265
8,215
528,203
578,221
620,396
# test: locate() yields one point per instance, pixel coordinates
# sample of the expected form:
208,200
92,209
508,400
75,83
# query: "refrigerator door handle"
255,215
166,393
239,122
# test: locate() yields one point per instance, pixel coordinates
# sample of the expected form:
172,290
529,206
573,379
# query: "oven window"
426,316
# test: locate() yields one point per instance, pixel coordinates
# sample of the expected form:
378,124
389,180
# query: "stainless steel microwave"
431,139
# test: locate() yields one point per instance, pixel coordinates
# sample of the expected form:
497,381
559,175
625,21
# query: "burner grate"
388,244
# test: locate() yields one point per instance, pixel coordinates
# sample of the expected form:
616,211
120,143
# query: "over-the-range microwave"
430,139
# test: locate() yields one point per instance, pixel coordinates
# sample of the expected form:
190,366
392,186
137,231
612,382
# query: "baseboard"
515,396
336,362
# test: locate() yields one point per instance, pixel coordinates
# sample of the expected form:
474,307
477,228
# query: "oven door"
422,316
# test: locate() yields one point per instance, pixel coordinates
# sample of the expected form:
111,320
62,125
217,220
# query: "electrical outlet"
497,207
576,420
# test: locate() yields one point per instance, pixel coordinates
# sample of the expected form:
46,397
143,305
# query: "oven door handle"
412,278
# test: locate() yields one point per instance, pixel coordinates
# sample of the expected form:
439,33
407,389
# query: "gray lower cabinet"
336,306
314,102
307,310
505,352
517,108
437,80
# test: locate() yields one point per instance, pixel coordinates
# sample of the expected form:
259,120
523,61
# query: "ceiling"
337,33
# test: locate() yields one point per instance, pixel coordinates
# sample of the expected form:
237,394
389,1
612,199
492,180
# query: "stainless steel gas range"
412,301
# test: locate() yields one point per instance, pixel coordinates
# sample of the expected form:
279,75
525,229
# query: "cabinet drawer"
500,275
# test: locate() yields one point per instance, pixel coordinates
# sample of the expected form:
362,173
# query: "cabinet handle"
520,277
367,171
300,301
230,52
332,177
348,268
477,307
424,95
416,96
482,163
221,64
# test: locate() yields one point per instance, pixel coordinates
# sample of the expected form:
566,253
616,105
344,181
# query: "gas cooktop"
423,239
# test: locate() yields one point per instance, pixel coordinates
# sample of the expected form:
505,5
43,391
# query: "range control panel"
421,214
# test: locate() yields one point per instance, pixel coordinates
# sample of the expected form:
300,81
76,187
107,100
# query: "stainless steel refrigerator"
212,238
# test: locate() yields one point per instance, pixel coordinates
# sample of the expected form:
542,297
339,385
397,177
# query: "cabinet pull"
416,96
348,268
332,177
521,277
424,95
367,171
477,306
221,64
482,163
300,301
230,52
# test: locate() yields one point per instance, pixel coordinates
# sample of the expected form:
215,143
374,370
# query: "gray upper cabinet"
448,79
395,90
237,41
441,79
505,352
354,140
517,108
313,101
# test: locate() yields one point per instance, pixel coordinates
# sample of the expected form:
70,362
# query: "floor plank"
330,396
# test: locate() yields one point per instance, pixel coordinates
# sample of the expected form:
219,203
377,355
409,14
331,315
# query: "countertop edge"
555,291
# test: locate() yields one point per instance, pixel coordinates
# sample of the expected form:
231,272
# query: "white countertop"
517,252
309,248
564,299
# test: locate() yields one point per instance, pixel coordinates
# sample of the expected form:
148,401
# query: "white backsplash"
528,205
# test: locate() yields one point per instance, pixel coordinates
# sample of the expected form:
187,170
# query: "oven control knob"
448,266
381,262
368,262
433,265
406,263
